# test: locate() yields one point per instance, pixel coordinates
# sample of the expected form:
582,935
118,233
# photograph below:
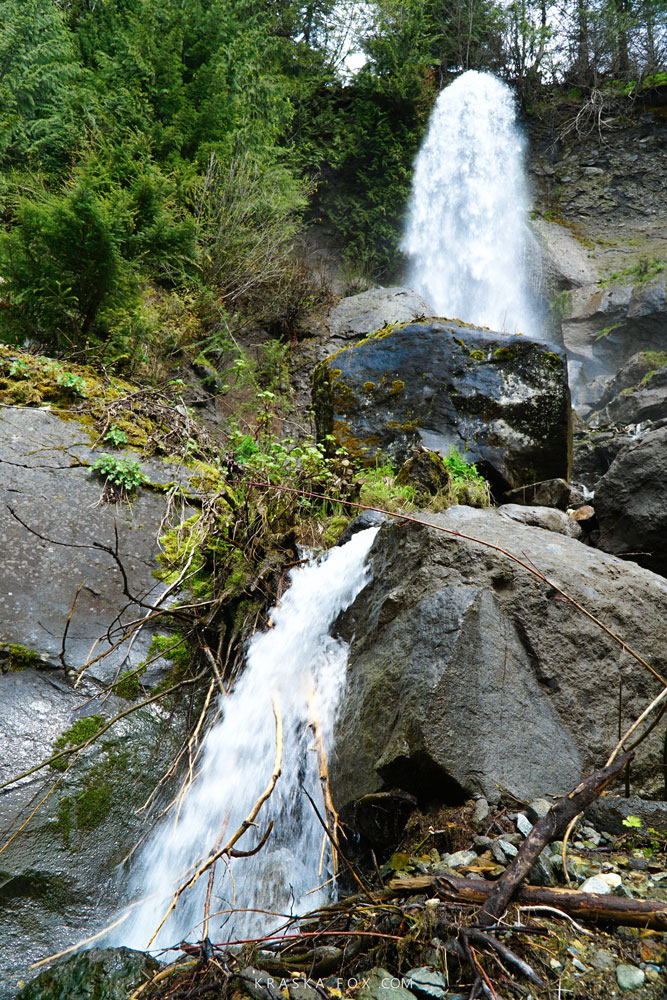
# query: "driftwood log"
550,827
586,905
496,896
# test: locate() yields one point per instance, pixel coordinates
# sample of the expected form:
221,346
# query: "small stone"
613,879
523,824
426,984
379,984
481,813
579,966
460,859
538,809
302,991
509,849
602,961
595,884
629,977
483,842
498,853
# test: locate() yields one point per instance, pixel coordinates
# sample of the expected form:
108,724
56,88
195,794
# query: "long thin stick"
248,822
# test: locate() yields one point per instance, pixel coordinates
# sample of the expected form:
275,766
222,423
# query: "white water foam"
467,237
302,667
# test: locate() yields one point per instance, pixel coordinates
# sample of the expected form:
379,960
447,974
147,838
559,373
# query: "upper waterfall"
467,237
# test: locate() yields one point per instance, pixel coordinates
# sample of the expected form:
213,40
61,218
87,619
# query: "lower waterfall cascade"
299,668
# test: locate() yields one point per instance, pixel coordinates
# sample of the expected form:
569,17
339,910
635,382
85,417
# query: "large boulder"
502,400
105,974
636,394
358,315
631,501
61,591
467,674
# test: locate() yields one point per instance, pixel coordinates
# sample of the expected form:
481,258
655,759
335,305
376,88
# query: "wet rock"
631,505
551,493
629,977
379,984
502,400
367,519
463,675
542,517
102,973
428,985
358,315
609,812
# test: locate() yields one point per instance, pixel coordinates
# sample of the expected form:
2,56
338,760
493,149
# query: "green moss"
93,804
334,527
15,658
178,546
398,385
64,818
369,386
127,686
477,355
82,731
552,361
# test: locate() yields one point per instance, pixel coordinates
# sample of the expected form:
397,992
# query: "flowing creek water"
300,668
467,237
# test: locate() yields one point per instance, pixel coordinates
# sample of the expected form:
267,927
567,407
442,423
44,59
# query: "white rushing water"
301,667
467,237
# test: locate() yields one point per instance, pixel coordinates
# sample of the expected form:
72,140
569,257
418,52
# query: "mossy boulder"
98,974
503,401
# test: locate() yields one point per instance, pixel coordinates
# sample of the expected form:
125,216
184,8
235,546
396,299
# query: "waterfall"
467,237
300,668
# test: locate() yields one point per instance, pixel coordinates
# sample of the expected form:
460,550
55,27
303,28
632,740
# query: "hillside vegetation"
162,160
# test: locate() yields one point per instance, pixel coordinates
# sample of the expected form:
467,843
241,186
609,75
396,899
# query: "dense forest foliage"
162,160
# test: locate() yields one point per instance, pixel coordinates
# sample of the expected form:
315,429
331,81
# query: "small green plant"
122,475
73,383
19,367
115,436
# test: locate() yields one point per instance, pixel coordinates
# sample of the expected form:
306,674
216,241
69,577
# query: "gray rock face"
502,400
57,874
359,315
631,502
636,394
541,517
466,673
609,812
604,327
61,549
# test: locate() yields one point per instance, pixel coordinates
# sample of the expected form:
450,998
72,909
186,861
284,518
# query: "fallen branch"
245,825
550,827
586,905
